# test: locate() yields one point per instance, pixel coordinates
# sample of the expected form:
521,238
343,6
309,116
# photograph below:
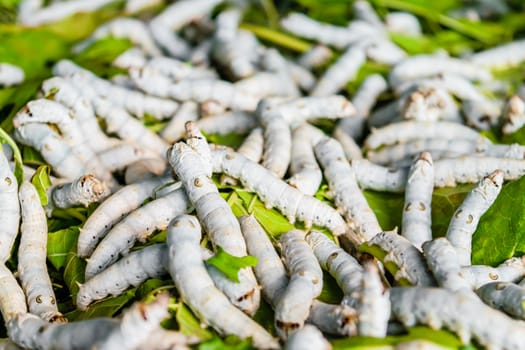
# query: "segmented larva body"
272,61
174,130
316,56
511,270
379,178
265,84
196,140
32,267
112,210
252,146
337,319
55,151
10,74
443,261
416,220
365,12
351,149
270,271
346,270
215,214
306,174
138,225
131,270
465,219
9,208
129,28
131,58
125,154
306,282
302,77
509,54
409,130
307,338
277,151
403,23
429,103
12,298
83,191
514,115
178,70
421,66
231,122
276,193
482,114
407,258
347,195
197,290
374,304
463,314
513,151
143,169
458,86
505,296
381,50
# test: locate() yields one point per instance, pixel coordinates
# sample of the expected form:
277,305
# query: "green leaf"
231,140
74,272
19,170
31,156
229,264
189,324
42,182
13,98
228,343
60,244
99,56
277,37
445,201
501,230
388,207
380,254
105,308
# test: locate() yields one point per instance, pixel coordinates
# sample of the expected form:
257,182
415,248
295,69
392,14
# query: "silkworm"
306,338
514,115
131,58
374,304
12,298
365,12
381,50
443,261
342,71
265,84
505,296
350,147
482,114
178,70
137,225
231,122
505,55
9,208
276,193
82,191
409,130
416,217
174,130
315,57
32,267
215,214
252,146
513,151
10,74
379,178
125,154
277,151
197,289
301,76
462,314
408,260
306,282
337,319
465,219
128,28
168,40
143,169
273,61
511,270
345,269
402,23
347,195
112,210
306,174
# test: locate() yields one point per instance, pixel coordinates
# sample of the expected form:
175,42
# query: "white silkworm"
128,28
252,146
265,84
269,270
112,210
137,225
174,130
55,151
342,71
365,12
350,147
347,195
416,220
306,282
505,55
32,267
511,270
307,338
402,23
465,219
338,319
514,115
374,304
341,265
10,74
131,270
421,66
276,193
232,122
277,150
464,315
482,114
273,61
505,296
143,169
513,151
382,50
178,70
82,191
443,261
407,258
215,214
136,6
197,289
315,57
12,298
9,208
378,178
131,58
123,155
409,130
306,174
301,76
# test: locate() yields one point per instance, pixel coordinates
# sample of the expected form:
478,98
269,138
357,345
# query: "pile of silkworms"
199,73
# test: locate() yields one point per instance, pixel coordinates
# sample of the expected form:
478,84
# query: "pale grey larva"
301,76
416,218
196,140
112,210
9,208
463,314
379,178
508,54
277,146
32,267
178,70
252,148
306,282
307,338
226,123
505,296
273,61
511,270
12,297
336,319
351,149
174,130
382,50
143,169
465,219
402,23
82,191
264,84
10,74
365,12
482,114
514,115
137,225
197,289
374,304
347,195
125,154
407,258
316,56
131,58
